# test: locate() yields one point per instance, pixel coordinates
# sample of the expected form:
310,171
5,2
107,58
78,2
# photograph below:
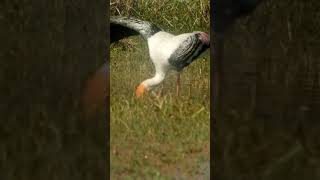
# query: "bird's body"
158,55
167,51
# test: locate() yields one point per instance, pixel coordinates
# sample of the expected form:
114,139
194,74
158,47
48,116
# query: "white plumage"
167,51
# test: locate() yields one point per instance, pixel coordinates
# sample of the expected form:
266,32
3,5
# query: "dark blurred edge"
212,92
108,86
48,50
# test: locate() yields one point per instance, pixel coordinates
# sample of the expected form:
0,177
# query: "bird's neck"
157,79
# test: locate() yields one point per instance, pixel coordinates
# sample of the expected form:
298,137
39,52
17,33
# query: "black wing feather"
122,27
118,32
187,52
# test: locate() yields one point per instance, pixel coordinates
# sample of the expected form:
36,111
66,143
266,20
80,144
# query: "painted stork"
166,51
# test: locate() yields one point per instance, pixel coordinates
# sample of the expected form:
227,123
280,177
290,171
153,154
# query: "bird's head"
204,37
141,90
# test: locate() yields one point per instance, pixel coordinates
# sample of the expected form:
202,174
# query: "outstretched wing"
122,27
118,32
187,52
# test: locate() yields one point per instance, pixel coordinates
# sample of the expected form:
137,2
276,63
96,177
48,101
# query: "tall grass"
165,137
174,15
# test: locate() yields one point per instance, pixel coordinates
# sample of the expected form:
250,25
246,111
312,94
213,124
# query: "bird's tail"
145,28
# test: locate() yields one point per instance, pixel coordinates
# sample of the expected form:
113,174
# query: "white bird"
167,51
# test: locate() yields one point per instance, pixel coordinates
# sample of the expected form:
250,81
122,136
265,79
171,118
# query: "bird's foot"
177,92
141,89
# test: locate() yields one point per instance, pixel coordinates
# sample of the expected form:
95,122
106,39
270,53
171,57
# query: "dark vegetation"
48,51
268,125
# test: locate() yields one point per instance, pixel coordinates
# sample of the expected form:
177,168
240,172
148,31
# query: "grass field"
163,137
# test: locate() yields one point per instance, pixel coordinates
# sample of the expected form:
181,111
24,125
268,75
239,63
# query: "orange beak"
141,89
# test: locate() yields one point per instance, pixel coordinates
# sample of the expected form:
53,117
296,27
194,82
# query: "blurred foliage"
48,50
269,126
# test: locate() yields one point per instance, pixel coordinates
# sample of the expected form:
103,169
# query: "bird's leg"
159,93
178,84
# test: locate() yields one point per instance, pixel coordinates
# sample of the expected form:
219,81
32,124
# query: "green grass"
172,15
165,137
158,138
